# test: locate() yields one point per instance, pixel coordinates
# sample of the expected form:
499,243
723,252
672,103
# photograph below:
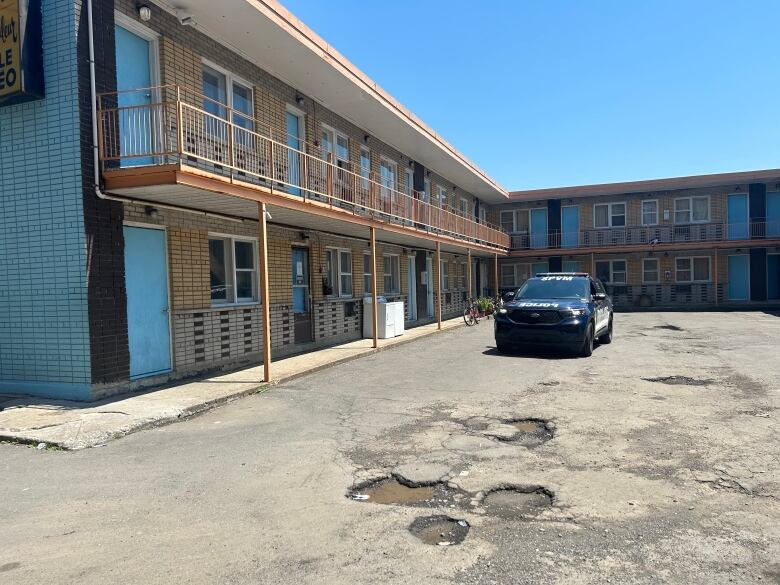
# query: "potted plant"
484,306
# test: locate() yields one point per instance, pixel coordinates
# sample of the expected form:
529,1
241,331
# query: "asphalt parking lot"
657,460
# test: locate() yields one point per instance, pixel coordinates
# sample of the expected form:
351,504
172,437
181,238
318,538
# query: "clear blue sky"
548,93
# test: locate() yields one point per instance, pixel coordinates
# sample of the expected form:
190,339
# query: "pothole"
679,381
530,432
517,503
392,491
439,530
669,327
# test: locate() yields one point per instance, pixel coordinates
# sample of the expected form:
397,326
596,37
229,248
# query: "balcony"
663,236
170,126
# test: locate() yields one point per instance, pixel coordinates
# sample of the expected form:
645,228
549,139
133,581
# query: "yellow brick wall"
189,268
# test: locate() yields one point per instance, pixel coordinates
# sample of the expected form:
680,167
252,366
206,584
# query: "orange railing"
170,124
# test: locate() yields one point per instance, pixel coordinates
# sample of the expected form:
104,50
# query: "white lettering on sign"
557,278
553,305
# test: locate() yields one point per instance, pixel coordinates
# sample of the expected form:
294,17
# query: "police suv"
568,309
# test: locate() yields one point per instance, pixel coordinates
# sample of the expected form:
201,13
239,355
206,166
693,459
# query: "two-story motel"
211,185
702,241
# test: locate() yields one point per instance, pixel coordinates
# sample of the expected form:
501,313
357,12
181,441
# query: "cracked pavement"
652,482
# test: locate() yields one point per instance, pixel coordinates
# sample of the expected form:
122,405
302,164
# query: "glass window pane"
245,284
346,284
522,221
508,221
507,275
245,255
214,84
601,216
683,263
346,262
701,209
619,265
219,270
701,269
603,271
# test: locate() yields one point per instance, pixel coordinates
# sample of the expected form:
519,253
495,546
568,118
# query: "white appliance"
389,316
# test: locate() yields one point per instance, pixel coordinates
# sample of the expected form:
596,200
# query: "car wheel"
607,337
502,347
587,345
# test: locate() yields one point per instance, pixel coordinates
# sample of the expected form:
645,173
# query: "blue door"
538,228
773,276
773,214
739,278
146,280
294,158
738,217
570,226
133,72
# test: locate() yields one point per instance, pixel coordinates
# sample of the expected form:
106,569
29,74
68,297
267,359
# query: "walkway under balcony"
171,146
660,237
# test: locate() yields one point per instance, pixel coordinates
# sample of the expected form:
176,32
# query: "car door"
602,306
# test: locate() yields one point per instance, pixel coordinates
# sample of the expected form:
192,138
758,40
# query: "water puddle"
392,491
517,503
678,381
530,432
439,530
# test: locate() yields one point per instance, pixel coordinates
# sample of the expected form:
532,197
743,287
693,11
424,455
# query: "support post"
469,287
438,285
374,311
715,279
592,265
262,244
495,274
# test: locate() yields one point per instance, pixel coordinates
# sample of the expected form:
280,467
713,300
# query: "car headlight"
575,312
502,310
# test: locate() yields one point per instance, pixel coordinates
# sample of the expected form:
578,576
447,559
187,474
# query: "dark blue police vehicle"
564,309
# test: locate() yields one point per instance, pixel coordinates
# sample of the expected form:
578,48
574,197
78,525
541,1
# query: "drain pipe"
93,102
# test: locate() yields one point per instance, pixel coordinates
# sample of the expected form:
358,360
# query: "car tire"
606,338
502,347
586,350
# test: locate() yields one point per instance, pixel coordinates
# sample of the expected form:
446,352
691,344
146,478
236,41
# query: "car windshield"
554,287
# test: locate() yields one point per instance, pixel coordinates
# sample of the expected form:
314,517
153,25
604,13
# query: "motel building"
697,242
212,186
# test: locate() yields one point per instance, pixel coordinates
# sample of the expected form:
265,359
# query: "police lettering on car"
570,310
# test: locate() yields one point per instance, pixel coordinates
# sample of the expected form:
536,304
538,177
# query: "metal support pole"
265,307
716,277
374,311
470,288
592,265
495,275
438,284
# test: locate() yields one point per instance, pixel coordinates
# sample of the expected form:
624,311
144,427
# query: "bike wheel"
468,317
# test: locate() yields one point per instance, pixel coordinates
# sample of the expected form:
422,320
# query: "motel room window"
365,167
408,182
463,270
650,274
233,270
692,210
508,221
464,206
650,212
507,275
611,271
441,197
445,275
392,273
367,273
337,280
606,215
222,88
693,269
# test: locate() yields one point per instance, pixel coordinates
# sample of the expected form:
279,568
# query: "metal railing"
647,235
170,124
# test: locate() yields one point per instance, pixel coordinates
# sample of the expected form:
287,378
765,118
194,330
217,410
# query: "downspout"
93,99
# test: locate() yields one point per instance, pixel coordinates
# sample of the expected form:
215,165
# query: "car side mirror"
600,296
507,297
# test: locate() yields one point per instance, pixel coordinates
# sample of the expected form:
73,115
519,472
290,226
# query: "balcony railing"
645,235
168,124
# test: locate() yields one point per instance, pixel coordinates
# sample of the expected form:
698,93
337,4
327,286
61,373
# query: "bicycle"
471,313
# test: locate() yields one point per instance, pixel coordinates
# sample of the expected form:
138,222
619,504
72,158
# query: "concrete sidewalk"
78,425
